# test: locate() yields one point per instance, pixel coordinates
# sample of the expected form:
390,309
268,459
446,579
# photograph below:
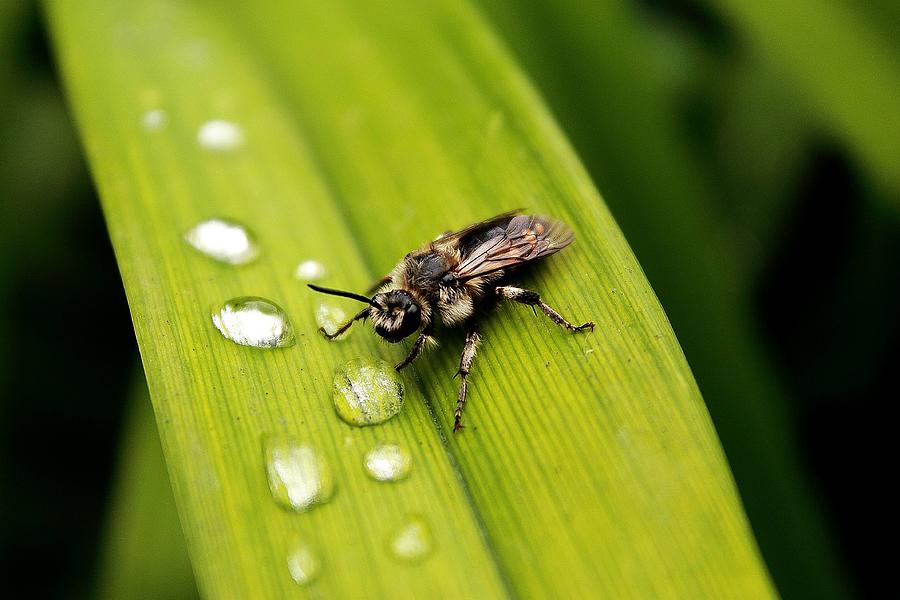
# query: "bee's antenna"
359,297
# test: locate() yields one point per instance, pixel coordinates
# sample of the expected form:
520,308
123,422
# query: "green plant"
144,555
589,463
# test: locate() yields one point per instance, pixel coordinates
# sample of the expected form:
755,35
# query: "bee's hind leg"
533,299
473,338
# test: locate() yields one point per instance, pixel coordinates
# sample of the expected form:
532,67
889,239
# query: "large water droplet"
303,563
388,462
298,475
220,136
252,321
310,270
367,392
223,240
329,318
155,119
412,542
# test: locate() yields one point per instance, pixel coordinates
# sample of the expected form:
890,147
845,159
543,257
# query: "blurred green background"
750,154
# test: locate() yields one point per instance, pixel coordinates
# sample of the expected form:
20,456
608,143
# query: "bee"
459,277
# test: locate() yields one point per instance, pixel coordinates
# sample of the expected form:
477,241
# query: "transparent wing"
525,238
470,237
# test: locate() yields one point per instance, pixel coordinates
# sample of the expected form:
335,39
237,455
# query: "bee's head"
395,314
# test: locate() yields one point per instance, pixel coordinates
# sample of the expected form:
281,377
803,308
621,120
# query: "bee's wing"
474,234
525,238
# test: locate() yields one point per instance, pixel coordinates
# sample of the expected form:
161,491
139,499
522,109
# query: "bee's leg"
534,299
377,284
418,346
360,315
473,338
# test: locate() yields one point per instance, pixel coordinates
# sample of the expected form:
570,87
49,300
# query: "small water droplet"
310,270
367,392
155,119
388,462
303,563
223,240
252,321
220,135
298,475
329,318
412,542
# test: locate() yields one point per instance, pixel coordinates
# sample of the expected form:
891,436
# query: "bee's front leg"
534,299
360,315
418,346
473,338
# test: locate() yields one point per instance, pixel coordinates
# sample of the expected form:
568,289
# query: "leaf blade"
238,538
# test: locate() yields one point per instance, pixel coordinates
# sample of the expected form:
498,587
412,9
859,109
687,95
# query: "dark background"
774,253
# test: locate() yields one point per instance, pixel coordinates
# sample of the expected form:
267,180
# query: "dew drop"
412,542
299,477
303,564
223,240
388,462
220,135
329,318
252,321
155,119
310,270
367,392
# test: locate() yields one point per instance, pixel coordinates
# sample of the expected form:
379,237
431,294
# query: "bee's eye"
412,318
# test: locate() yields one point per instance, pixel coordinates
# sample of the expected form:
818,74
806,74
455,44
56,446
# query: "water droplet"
367,392
412,542
303,563
329,318
298,475
310,270
223,240
220,135
252,321
388,462
155,119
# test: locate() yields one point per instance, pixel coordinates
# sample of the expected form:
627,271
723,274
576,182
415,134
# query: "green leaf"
589,463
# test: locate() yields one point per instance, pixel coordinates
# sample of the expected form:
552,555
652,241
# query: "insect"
459,277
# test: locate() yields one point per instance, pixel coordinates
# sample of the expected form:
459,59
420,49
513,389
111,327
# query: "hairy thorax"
428,276
455,304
